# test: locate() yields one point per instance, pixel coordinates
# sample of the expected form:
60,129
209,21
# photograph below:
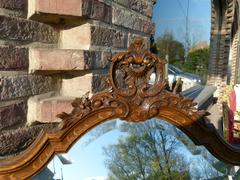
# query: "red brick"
12,87
94,9
13,114
17,29
124,17
16,140
141,6
13,4
12,58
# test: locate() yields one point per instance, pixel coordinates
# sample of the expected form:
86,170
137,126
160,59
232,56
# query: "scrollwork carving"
132,90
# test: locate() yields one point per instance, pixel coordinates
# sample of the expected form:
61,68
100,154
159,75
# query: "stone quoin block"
70,7
66,59
12,87
50,10
12,58
78,86
45,107
48,109
13,114
87,35
17,29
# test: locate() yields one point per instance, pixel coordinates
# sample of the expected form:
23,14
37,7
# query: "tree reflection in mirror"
150,150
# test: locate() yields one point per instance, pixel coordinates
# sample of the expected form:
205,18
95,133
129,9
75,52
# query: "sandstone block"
76,87
49,10
70,7
33,106
44,108
50,108
66,59
87,35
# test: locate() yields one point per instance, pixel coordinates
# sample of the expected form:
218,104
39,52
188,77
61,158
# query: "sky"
170,15
88,158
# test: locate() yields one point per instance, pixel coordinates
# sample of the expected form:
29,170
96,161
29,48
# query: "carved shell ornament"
130,96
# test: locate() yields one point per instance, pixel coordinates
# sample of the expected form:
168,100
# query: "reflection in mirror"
202,50
150,150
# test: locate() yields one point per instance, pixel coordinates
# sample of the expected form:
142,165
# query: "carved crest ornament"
130,96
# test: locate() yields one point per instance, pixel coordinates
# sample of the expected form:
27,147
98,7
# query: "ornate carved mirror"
131,96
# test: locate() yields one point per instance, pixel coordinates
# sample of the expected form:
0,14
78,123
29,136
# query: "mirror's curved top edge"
42,154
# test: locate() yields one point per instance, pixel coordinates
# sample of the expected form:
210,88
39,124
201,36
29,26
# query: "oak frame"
135,101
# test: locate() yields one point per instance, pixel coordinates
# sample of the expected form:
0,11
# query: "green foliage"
147,152
197,62
167,45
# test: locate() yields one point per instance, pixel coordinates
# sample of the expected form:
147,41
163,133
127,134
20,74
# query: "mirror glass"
189,35
153,149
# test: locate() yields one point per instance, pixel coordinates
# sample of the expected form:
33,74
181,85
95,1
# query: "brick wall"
52,51
234,57
17,36
223,39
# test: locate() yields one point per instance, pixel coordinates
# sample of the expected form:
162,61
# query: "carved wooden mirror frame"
132,100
